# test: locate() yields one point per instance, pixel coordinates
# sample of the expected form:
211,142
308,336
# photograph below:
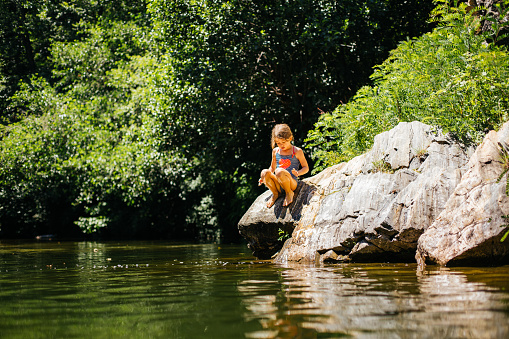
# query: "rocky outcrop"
267,228
475,217
373,208
415,194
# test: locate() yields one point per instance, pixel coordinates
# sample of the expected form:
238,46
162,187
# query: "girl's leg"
270,180
288,183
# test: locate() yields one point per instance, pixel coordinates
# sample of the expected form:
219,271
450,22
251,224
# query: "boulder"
265,228
372,208
475,218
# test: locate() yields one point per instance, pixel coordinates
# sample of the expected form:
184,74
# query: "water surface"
168,290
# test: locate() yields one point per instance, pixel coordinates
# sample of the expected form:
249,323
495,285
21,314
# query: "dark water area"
168,290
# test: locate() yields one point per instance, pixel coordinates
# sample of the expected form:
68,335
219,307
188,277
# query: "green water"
166,290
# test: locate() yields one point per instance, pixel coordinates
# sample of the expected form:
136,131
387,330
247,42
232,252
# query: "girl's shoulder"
297,149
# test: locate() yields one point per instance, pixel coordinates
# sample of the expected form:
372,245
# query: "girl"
284,168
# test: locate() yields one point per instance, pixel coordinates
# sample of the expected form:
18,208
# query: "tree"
449,78
235,68
160,120
28,28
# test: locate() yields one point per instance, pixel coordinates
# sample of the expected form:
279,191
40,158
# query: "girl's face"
283,144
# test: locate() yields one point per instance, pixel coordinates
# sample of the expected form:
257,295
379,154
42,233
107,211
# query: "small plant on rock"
382,166
506,217
420,153
503,151
504,160
283,235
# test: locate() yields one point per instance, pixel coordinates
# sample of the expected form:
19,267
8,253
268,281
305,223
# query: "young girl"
284,168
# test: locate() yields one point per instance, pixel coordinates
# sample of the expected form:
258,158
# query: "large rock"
475,217
373,208
266,228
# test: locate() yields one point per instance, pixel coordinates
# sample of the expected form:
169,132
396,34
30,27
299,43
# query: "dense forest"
151,119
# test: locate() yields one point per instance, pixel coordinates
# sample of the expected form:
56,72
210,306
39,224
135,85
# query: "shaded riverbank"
168,290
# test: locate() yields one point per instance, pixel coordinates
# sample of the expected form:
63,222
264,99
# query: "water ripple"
165,290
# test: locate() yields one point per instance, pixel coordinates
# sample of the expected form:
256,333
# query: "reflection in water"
365,301
167,290
457,308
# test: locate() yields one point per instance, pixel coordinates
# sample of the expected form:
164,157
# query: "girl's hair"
281,131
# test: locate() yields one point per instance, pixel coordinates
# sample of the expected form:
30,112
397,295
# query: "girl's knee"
280,172
264,173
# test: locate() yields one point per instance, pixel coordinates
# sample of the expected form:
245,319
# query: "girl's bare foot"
272,200
288,199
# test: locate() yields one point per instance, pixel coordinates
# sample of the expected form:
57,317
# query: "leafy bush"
449,78
70,166
90,160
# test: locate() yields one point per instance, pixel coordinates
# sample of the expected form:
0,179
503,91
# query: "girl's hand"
295,172
260,182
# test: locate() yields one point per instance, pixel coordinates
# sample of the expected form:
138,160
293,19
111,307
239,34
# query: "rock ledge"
390,202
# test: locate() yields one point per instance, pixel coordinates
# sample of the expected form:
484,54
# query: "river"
172,290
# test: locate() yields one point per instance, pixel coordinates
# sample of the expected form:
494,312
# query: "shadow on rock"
260,226
303,194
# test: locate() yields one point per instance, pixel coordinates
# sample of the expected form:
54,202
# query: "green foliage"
283,235
82,67
90,155
101,170
506,234
449,78
231,69
382,166
91,224
504,160
495,24
28,28
239,66
152,118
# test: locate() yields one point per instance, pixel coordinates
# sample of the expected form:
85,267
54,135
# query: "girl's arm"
303,163
273,164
